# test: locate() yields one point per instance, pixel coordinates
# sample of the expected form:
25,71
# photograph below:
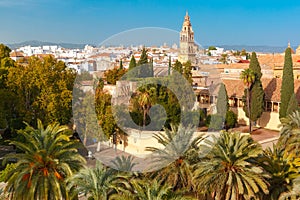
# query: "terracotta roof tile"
16,54
272,87
234,87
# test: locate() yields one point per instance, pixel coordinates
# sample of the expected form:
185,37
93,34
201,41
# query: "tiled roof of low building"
272,87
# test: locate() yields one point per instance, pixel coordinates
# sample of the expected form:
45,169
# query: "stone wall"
269,120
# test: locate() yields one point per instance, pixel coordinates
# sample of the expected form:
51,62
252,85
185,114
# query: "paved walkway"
107,154
264,136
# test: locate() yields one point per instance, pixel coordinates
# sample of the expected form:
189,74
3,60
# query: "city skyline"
272,23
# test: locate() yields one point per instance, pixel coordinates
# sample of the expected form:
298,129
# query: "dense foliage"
287,86
223,166
219,166
222,101
115,74
248,77
35,88
256,91
48,158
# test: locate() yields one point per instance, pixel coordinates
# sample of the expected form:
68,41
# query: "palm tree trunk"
98,146
84,139
144,122
249,109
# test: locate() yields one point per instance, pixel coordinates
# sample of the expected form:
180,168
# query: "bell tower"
187,50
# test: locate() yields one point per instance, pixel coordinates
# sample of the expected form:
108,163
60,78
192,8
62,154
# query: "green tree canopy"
4,51
256,92
121,65
97,183
293,105
48,158
104,112
43,88
146,67
115,74
169,66
227,172
287,86
178,67
187,71
255,66
248,77
132,63
222,101
144,57
212,48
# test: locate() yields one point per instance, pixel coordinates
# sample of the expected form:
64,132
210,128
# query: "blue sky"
217,22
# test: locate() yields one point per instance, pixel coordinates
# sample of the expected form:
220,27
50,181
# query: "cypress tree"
222,101
151,68
178,66
132,73
257,100
217,121
187,72
256,91
287,86
254,65
121,65
293,105
132,63
144,70
169,67
143,58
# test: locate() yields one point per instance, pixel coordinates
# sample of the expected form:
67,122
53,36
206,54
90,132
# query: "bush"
216,122
231,120
207,120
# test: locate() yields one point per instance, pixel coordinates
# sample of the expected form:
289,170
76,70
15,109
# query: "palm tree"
282,168
177,144
145,189
48,158
145,103
96,183
123,163
227,171
290,133
148,190
294,193
248,77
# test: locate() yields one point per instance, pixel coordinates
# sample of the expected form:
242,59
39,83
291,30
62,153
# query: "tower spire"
187,46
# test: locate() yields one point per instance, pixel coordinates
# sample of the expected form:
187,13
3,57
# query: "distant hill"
263,49
41,43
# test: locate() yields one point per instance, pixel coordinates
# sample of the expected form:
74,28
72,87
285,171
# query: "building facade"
188,48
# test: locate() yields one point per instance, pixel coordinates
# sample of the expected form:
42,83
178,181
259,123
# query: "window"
269,106
275,107
241,103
